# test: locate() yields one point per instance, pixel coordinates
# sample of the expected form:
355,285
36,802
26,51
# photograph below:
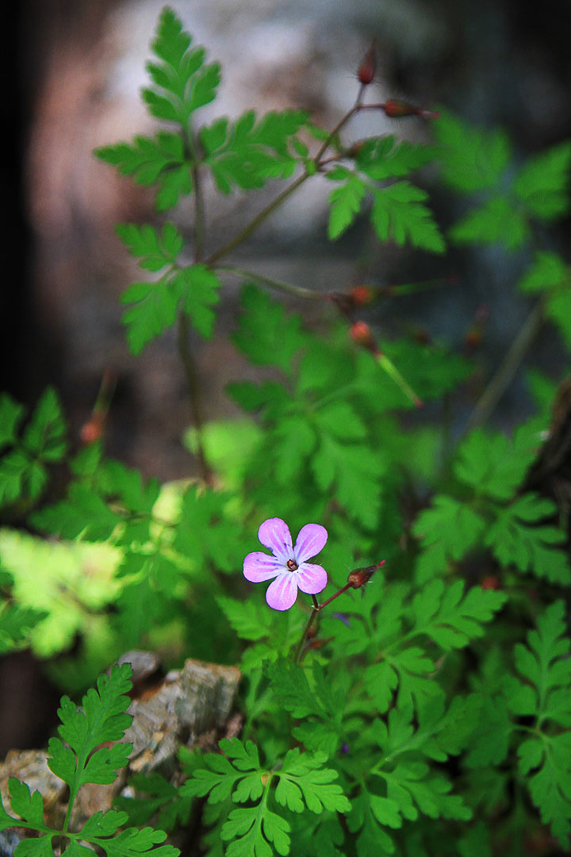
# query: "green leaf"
155,305
101,719
159,160
246,153
549,273
266,334
472,158
543,182
182,81
345,204
103,824
518,538
451,617
15,625
11,415
448,530
132,843
498,221
292,690
304,780
352,473
494,465
200,286
249,619
399,214
27,805
413,789
550,785
386,157
84,513
253,831
206,533
153,309
44,437
23,472
544,663
155,250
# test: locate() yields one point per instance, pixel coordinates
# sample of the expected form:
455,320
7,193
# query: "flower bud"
361,334
92,429
366,73
361,295
360,576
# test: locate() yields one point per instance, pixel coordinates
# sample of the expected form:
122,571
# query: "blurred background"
80,69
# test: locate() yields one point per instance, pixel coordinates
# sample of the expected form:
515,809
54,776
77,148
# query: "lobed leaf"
473,158
542,184
399,214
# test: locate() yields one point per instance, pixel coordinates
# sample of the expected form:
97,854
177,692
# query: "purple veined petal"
310,541
281,594
311,578
260,566
275,535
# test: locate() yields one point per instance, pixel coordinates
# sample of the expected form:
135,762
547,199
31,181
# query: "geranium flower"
288,564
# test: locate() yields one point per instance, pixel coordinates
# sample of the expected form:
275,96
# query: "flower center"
292,565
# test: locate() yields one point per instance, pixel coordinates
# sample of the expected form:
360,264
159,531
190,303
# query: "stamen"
292,565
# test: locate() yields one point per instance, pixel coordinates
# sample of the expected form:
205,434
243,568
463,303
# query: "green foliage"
301,782
520,531
398,212
78,758
424,713
26,455
246,153
512,200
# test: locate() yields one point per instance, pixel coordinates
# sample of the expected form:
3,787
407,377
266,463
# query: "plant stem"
511,363
306,630
194,393
317,608
278,285
199,215
257,221
287,192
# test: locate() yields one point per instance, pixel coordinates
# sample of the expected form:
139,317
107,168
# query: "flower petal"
282,592
311,578
310,541
260,566
275,535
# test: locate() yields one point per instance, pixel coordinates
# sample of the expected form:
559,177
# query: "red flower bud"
361,295
92,429
360,576
366,73
361,334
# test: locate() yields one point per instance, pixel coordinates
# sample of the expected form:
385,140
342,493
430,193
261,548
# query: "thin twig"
277,285
510,365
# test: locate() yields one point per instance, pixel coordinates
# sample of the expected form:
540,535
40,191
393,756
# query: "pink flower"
288,564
